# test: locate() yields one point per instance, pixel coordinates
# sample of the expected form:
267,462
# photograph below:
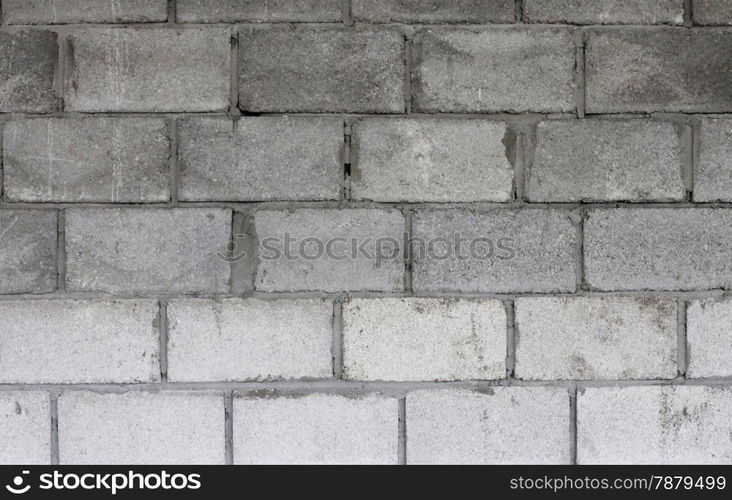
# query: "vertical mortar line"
172,11
347,159
229,428
234,73
579,227
173,126
688,12
686,139
402,446
407,252
682,349
519,165
510,307
61,249
696,138
573,424
579,66
408,72
519,11
346,15
337,347
61,69
53,400
163,338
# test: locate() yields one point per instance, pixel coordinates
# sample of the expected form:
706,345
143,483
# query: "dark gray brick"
84,11
28,71
434,11
604,11
713,177
28,243
271,11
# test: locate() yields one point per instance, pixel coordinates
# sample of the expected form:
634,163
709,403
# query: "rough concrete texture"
434,11
28,71
639,70
270,11
330,250
28,243
129,250
712,12
713,176
261,158
709,338
512,251
25,422
501,425
501,69
127,69
604,11
86,160
315,429
654,425
250,339
141,428
658,249
606,160
336,69
431,160
83,11
424,339
79,341
597,338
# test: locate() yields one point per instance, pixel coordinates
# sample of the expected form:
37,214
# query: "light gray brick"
423,339
430,160
434,11
147,250
512,251
606,160
25,428
121,160
713,178
501,425
595,338
654,425
261,158
127,69
324,250
502,69
251,339
337,69
28,243
709,338
28,71
604,11
658,249
175,428
315,429
83,11
638,70
79,341
712,12
270,11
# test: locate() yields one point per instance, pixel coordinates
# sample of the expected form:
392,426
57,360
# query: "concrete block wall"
512,226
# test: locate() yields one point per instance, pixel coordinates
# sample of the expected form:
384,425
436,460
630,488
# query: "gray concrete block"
270,11
251,339
604,11
512,69
261,158
28,249
501,425
79,341
129,69
25,428
713,176
128,250
498,251
330,250
658,249
175,428
606,160
121,160
709,338
654,425
28,71
434,11
84,11
595,338
316,429
424,339
336,69
637,70
712,12
439,160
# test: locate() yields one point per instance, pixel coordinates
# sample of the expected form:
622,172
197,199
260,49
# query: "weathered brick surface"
126,69
654,425
28,71
261,158
637,70
502,425
321,69
434,11
709,338
712,12
83,11
423,339
713,176
249,339
595,338
430,160
87,160
658,249
606,160
25,422
604,11
141,428
79,341
272,11
120,250
315,429
28,244
501,69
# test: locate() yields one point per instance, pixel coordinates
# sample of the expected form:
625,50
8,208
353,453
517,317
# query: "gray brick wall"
365,231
